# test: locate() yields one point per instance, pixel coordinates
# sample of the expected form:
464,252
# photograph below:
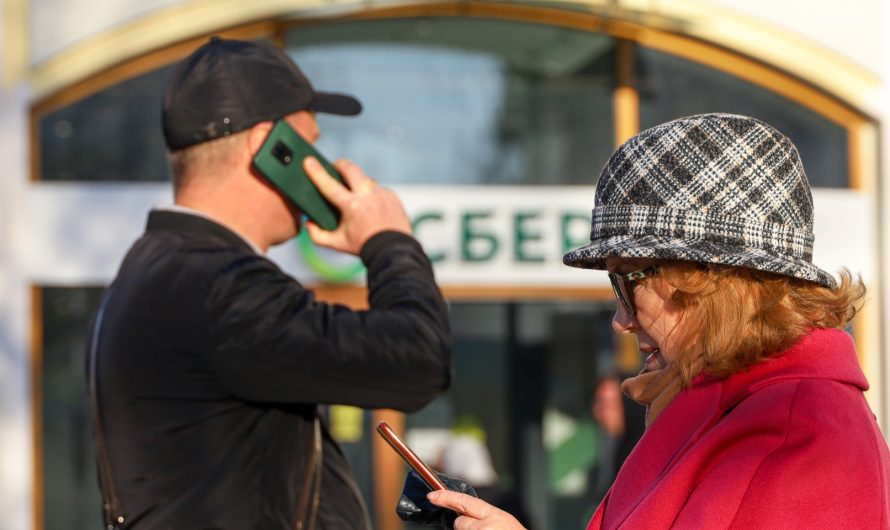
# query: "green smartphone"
280,161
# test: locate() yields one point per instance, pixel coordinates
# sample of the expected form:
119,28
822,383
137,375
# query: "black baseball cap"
227,86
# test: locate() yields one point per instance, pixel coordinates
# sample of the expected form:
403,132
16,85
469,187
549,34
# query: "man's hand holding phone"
366,208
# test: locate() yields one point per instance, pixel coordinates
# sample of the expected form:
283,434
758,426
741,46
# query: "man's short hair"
213,156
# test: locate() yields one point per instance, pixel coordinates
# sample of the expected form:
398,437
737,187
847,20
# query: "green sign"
477,244
327,271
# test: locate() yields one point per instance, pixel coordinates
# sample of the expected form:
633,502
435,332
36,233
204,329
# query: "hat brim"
593,255
331,103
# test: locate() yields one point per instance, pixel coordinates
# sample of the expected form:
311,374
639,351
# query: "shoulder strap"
310,493
111,507
113,513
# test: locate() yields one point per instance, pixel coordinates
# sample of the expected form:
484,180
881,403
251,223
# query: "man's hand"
476,514
366,208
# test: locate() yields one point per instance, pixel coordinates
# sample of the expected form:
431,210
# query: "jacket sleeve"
273,342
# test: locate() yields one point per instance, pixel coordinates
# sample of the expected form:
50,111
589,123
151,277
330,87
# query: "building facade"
492,121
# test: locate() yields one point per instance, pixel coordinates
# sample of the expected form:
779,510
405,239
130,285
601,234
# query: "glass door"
517,422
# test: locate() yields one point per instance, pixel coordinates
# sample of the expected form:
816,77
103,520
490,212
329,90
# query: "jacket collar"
824,353
182,221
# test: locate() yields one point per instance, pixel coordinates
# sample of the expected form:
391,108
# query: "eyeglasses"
623,285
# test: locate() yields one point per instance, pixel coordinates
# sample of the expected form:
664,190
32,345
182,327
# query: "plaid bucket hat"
712,188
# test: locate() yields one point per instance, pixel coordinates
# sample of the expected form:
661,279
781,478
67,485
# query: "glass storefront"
70,490
450,101
465,101
670,87
524,375
112,135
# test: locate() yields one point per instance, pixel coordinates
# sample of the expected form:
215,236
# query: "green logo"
327,271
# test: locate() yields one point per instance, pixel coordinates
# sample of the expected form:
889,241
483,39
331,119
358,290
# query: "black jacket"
212,362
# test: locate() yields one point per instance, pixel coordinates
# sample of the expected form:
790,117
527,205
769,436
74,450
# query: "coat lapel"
691,413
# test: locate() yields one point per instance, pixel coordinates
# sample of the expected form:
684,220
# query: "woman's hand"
476,514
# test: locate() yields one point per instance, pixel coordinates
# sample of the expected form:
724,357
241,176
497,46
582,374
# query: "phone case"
280,160
410,458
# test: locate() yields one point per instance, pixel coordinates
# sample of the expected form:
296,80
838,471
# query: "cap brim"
594,254
331,103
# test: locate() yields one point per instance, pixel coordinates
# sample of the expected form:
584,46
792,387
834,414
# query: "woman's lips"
654,361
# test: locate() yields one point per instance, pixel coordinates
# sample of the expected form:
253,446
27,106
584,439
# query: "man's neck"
241,201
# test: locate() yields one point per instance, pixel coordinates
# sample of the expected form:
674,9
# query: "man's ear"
257,135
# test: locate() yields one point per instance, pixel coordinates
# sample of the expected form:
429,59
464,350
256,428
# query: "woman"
756,416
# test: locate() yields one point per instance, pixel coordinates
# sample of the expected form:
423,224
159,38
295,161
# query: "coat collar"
821,354
824,353
182,221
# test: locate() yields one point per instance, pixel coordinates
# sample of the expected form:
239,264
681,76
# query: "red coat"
790,443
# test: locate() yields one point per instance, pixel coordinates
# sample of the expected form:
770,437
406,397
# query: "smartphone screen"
280,161
410,457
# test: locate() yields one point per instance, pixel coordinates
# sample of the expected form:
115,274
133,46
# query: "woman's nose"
622,321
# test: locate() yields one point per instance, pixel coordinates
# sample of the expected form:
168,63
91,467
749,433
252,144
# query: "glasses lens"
621,293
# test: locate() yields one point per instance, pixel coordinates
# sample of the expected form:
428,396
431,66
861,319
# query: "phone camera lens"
282,153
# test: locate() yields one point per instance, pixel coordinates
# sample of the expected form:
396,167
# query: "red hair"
734,317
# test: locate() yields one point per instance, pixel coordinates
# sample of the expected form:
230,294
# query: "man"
210,362
620,424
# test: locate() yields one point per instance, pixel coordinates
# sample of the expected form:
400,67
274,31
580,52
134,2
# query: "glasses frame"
623,284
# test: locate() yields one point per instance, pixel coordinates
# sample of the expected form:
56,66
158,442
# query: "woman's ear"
257,135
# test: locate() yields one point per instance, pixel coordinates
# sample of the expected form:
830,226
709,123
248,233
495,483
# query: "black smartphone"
280,161
410,457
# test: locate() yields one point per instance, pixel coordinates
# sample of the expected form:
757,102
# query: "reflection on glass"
353,429
113,135
518,413
671,87
465,101
71,498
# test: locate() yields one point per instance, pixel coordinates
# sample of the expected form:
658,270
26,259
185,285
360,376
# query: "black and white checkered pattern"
713,188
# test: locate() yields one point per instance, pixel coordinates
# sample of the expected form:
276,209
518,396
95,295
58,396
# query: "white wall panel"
851,29
15,403
58,24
